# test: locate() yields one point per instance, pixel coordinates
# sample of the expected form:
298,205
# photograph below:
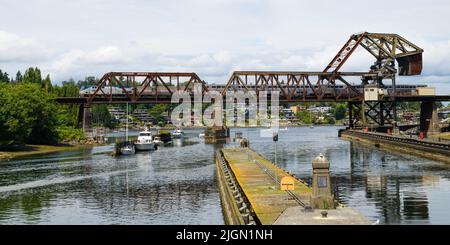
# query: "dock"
252,192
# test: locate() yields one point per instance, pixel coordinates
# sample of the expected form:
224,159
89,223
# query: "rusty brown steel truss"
299,86
162,84
385,48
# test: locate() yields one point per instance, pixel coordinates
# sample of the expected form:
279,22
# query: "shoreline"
36,150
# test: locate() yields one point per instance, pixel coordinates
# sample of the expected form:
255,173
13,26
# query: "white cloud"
212,38
14,48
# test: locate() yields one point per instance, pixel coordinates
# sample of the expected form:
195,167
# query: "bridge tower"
388,49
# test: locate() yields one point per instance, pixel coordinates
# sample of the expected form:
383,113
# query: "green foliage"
305,117
156,112
69,133
47,84
32,75
409,106
67,114
340,111
27,115
101,115
19,77
330,120
88,81
68,89
4,77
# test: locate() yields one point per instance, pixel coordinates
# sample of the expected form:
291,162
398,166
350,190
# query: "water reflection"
176,184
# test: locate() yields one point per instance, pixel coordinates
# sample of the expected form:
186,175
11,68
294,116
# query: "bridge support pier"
85,119
216,134
380,114
429,123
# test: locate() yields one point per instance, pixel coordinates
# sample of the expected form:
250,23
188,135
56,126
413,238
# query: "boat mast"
126,129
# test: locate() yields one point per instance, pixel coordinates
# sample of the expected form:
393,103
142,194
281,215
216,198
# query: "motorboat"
157,141
178,133
128,149
144,141
201,135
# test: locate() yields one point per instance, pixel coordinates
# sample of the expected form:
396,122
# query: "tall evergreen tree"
4,77
32,75
19,77
47,84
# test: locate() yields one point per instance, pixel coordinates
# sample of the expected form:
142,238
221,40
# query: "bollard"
321,197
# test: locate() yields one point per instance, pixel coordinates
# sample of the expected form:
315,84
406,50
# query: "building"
117,113
319,109
297,108
287,114
143,116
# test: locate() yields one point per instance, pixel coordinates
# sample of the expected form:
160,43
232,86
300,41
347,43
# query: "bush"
69,133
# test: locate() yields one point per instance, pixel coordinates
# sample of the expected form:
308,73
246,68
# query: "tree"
157,110
67,114
4,77
101,114
47,84
19,77
88,81
305,117
32,75
339,111
27,115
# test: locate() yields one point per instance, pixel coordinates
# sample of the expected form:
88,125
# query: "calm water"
176,185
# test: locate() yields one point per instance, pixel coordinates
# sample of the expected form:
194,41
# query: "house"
297,108
319,109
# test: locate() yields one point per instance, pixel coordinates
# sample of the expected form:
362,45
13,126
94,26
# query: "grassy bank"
34,150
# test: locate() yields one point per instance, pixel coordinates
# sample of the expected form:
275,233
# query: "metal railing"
274,176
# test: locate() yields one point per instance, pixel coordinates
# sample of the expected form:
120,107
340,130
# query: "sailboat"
128,147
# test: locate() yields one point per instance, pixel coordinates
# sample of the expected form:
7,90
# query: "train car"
114,90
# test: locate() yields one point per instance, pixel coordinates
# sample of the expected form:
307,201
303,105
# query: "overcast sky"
74,39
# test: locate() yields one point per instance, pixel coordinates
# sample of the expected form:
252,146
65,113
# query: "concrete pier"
427,148
258,185
87,120
429,122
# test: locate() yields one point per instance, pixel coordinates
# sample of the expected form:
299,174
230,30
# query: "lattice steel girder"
384,47
150,79
298,86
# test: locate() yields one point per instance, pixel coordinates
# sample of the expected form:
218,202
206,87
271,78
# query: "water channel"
176,184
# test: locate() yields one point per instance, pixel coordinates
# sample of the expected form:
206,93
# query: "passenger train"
299,90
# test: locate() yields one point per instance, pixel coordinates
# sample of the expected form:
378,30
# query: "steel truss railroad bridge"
329,85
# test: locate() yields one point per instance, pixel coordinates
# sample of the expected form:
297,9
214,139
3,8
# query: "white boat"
178,133
312,126
128,149
201,135
144,141
157,141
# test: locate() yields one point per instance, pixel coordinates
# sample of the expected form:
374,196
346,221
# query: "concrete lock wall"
429,122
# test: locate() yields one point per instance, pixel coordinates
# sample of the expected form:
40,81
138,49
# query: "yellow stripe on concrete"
263,193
